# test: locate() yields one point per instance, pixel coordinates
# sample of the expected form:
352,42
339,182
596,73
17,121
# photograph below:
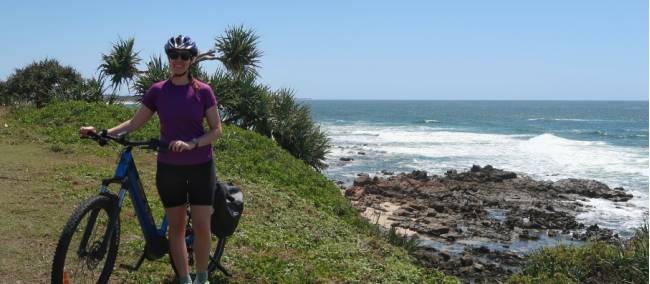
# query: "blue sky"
580,50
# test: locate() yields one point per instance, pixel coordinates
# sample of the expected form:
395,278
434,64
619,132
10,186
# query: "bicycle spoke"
85,266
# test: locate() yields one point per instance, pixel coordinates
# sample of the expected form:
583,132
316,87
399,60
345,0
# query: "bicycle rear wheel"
87,247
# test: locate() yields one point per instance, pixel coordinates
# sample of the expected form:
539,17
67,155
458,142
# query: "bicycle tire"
106,203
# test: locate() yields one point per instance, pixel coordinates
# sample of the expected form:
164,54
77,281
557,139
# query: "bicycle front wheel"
87,247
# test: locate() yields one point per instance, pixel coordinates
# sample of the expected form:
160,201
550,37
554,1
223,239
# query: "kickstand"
134,267
220,247
223,269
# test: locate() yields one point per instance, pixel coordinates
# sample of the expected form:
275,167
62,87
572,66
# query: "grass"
297,228
598,262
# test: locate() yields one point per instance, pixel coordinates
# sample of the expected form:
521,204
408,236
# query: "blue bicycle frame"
127,175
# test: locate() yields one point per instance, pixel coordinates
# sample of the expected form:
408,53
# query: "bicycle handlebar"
102,138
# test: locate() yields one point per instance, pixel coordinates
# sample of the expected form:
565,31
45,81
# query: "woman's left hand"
179,146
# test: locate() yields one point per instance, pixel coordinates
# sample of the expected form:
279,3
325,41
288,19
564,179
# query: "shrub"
38,81
626,262
293,128
91,90
243,102
4,96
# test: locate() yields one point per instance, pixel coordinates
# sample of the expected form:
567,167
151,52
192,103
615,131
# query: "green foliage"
121,63
410,244
156,71
293,128
60,120
626,262
239,52
242,101
91,90
37,82
250,156
198,72
4,96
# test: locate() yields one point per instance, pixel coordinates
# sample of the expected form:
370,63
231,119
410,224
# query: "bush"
37,82
91,90
4,97
293,128
626,262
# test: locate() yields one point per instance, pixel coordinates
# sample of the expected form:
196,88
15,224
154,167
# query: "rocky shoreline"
474,224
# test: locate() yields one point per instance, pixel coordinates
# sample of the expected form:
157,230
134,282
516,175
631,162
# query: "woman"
186,173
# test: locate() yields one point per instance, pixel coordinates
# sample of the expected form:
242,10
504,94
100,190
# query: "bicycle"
102,212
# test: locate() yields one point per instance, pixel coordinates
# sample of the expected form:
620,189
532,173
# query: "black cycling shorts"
179,184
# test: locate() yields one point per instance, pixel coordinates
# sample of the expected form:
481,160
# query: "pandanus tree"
120,65
238,51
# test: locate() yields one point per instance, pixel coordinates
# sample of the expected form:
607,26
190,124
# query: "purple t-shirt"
181,110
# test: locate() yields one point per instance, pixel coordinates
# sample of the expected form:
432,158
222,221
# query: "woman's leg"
177,218
202,240
201,184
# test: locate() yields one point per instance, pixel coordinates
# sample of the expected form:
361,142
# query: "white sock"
201,276
185,279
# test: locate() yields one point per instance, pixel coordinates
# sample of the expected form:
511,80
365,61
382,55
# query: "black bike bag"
228,204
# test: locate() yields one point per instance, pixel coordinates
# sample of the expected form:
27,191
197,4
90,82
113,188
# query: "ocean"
546,140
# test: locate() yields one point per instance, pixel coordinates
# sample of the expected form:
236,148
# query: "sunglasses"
182,55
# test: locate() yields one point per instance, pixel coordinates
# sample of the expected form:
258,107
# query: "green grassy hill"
297,227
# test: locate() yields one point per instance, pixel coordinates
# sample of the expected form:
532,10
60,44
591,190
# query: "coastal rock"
362,180
595,233
479,209
478,174
346,159
419,175
591,188
354,193
467,260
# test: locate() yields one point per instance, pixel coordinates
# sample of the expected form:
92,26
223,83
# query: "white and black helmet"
181,42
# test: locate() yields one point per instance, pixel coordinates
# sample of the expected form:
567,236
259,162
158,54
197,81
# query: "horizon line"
523,100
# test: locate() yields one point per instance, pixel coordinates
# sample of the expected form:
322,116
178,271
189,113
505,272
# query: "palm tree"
120,64
238,51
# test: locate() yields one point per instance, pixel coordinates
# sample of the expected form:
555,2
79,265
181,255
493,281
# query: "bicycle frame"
127,175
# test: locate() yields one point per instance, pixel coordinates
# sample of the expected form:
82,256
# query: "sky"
395,50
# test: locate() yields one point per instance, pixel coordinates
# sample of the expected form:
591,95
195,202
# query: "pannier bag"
228,204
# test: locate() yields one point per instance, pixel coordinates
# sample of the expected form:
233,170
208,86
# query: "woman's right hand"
83,131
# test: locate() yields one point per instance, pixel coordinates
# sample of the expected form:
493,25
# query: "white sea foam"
570,119
545,156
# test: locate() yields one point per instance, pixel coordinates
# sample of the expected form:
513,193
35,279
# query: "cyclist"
186,173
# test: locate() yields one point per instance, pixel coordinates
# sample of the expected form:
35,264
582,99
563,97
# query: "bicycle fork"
99,252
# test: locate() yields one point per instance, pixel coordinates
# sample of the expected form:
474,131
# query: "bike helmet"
181,42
